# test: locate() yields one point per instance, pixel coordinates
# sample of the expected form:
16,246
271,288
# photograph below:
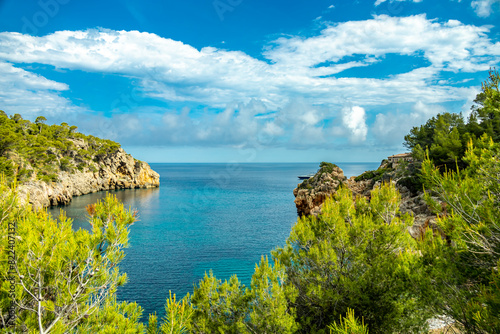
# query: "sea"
204,217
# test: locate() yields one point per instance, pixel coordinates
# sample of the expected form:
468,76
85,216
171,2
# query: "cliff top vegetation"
36,150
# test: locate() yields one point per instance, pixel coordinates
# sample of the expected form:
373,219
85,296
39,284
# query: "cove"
218,217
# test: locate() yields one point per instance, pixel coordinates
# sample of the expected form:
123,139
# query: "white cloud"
297,125
354,120
31,95
306,67
290,99
483,8
450,46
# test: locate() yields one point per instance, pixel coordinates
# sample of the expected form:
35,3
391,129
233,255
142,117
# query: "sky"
246,80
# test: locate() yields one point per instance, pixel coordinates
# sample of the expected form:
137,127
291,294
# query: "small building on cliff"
397,158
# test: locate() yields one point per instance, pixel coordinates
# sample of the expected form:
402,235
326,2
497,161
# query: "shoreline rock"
118,170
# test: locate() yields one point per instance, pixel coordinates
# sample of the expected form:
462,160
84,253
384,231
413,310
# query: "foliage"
229,307
355,255
445,136
178,315
327,167
113,317
462,268
349,325
46,149
374,175
487,108
6,167
62,277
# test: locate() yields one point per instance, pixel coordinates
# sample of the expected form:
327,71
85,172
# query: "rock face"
118,170
310,195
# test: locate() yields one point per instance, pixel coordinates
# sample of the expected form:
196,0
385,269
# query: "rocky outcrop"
118,170
310,194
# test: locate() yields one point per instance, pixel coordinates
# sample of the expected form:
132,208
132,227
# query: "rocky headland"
52,163
116,171
311,193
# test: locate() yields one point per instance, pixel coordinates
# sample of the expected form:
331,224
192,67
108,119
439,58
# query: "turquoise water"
204,216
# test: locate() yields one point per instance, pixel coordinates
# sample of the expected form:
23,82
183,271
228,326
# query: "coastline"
118,170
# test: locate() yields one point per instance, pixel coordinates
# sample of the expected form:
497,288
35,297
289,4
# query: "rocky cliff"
117,170
311,193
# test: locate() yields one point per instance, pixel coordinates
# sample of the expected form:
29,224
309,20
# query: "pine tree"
54,278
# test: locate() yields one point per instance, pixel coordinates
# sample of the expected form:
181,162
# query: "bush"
6,167
65,165
375,175
349,325
412,183
355,255
327,167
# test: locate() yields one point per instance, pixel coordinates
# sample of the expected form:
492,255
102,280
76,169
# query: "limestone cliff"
117,170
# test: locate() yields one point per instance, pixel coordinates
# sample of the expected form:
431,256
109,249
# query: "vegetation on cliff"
460,270
37,150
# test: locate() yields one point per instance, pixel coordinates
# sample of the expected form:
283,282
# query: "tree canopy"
445,137
37,150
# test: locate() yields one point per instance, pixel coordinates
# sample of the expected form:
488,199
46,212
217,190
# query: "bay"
219,217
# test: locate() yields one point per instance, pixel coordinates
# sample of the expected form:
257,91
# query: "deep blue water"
204,216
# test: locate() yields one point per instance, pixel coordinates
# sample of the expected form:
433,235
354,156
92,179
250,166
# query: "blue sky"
246,81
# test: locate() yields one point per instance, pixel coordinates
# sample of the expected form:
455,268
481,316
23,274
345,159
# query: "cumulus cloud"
297,125
484,8
354,120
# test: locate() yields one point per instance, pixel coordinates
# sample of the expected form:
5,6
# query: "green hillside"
39,151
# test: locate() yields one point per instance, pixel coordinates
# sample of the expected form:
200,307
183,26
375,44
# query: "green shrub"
375,175
65,165
355,255
349,325
412,183
81,166
327,167
6,167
